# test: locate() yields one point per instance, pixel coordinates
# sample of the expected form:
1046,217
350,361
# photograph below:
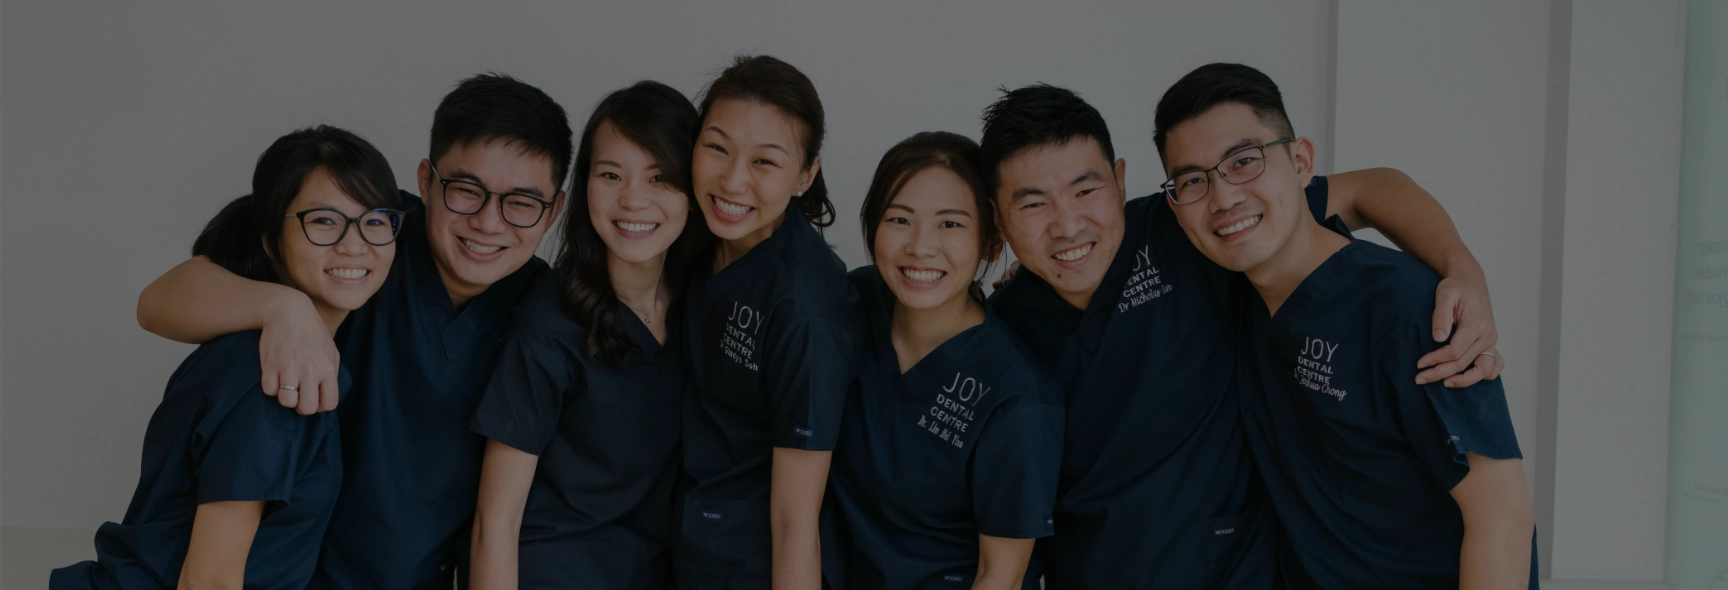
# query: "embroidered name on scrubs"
739,341
1314,367
1145,284
954,412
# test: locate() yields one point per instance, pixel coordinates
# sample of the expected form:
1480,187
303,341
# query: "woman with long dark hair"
772,337
236,490
952,438
583,407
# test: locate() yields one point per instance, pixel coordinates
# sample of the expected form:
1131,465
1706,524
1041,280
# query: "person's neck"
917,332
640,285
1309,247
729,251
460,293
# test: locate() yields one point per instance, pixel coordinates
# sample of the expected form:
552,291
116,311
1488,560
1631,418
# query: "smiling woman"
227,469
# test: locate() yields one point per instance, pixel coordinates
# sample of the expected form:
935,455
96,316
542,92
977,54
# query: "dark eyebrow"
464,175
1244,143
961,212
598,163
716,129
1025,191
899,206
765,145
1089,176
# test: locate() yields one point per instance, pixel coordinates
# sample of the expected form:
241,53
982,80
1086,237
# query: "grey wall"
128,124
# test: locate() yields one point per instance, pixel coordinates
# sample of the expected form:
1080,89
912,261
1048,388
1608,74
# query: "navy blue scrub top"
600,508
1358,458
217,438
412,466
1157,488
966,442
772,353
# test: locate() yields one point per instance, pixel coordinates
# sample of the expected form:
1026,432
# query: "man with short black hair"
422,349
1377,481
1157,488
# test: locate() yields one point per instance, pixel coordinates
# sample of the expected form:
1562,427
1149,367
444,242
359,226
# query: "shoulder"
231,358
1399,289
1022,375
541,311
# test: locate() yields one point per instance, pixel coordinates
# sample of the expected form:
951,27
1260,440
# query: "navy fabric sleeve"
1014,471
1317,193
1443,424
808,366
251,452
525,396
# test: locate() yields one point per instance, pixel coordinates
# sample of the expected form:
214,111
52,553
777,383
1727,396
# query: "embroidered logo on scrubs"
713,515
1144,285
802,432
1314,367
742,328
955,409
954,579
1222,532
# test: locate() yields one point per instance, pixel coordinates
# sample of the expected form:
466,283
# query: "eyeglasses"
1237,168
468,197
324,226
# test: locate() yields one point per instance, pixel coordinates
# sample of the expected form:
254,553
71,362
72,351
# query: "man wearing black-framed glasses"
1431,481
421,351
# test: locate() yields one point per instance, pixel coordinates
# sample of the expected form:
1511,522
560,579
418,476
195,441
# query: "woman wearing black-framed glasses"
236,489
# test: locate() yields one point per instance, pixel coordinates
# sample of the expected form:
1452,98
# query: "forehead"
1051,165
1201,141
936,189
320,190
750,122
499,163
611,144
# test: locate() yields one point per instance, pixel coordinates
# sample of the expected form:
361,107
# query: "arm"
795,506
221,538
505,477
1002,562
1389,201
198,301
1498,525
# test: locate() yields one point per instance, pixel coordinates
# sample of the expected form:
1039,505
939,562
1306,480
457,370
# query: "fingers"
329,392
308,398
1487,367
1442,371
287,390
1446,301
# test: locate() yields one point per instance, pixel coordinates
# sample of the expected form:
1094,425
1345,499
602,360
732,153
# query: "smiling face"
1061,208
637,213
748,163
1240,226
928,245
339,278
474,251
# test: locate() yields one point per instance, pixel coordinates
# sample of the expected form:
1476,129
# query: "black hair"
232,238
931,149
494,106
1034,116
767,80
1214,84
662,122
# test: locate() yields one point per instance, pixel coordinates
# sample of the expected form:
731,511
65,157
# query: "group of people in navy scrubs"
1211,387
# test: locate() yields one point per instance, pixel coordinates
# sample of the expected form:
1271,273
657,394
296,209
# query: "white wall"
128,124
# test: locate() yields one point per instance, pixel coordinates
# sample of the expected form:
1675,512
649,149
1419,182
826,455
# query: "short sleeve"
524,398
1317,194
252,451
1443,424
809,365
1014,471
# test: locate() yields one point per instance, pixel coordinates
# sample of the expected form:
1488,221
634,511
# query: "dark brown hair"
767,80
930,149
661,121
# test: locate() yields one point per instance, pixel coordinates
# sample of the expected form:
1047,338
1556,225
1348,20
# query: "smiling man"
422,349
1157,488
1431,481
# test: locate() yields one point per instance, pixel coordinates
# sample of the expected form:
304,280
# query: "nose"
352,244
923,243
490,218
1067,221
1223,196
630,198
733,179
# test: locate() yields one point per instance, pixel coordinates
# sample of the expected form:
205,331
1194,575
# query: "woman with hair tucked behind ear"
948,456
236,490
582,409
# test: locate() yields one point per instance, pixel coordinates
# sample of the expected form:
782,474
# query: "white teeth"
347,273
1074,254
479,249
1240,225
636,227
731,208
923,276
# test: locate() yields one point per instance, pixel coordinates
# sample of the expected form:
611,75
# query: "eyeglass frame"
1169,186
486,197
395,228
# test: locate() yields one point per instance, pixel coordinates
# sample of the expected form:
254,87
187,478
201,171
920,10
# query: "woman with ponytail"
236,490
772,346
582,409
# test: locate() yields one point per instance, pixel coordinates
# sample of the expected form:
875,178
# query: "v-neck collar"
751,263
1321,285
457,329
956,349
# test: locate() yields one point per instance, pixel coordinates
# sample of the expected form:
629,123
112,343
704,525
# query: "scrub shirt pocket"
732,537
